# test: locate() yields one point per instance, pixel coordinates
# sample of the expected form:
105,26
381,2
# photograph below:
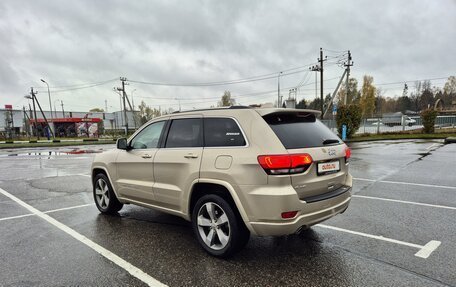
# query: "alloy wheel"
213,226
102,193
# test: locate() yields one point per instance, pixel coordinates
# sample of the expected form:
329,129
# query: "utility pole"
106,106
132,110
334,93
42,113
321,81
63,111
31,117
35,122
278,90
348,64
315,69
123,79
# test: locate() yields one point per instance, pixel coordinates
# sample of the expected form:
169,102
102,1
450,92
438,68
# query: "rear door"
177,163
302,132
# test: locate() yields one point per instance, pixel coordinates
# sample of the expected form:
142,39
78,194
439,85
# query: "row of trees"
372,101
147,113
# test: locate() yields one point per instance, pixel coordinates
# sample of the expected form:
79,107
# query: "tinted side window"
148,137
222,132
185,133
300,130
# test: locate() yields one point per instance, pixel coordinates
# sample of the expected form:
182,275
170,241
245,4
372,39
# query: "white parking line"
49,211
423,252
68,208
436,144
406,183
404,201
134,271
17,216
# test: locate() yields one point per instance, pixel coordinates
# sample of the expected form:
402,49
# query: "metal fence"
405,123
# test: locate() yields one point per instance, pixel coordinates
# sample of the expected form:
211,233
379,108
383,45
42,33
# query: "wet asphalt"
36,253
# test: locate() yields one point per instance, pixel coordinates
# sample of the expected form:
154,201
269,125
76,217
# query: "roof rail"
214,109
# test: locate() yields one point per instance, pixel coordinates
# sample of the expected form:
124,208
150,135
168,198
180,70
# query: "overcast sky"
73,43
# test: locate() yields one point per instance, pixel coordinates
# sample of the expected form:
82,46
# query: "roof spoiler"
264,112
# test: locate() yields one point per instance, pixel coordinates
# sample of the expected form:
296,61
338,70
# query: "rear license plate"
328,167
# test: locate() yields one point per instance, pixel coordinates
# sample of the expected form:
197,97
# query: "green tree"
404,103
226,100
101,128
301,104
351,116
426,99
96,110
315,104
428,117
147,113
367,101
353,93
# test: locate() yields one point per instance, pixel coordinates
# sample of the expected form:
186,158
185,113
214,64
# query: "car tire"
223,233
104,196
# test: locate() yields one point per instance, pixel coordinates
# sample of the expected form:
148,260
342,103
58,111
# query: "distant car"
231,172
397,119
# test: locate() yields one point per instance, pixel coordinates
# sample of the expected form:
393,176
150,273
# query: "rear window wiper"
330,141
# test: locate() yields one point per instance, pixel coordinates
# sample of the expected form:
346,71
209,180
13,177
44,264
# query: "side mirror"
122,144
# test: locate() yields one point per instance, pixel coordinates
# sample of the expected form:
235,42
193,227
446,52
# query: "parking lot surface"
399,230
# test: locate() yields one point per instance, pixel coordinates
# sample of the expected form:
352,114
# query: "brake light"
347,153
289,214
285,163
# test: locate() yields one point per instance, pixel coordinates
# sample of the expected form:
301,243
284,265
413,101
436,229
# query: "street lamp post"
179,101
49,94
55,108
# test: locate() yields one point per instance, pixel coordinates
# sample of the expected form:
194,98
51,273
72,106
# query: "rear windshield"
301,130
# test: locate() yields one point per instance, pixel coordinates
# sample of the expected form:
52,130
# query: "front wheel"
104,196
218,227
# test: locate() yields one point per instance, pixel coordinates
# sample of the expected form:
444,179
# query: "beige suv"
231,172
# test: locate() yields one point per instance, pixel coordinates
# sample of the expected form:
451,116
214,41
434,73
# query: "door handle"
191,155
146,156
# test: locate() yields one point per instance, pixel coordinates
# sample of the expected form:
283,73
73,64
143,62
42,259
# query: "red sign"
9,107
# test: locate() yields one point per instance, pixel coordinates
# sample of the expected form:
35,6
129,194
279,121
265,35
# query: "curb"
450,140
57,141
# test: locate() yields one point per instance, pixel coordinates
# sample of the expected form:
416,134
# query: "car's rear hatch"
302,133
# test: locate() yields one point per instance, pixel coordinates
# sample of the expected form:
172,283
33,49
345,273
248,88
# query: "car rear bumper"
302,220
265,204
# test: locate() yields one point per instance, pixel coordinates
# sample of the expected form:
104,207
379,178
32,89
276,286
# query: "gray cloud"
79,42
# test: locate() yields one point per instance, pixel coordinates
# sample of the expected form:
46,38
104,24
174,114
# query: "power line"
410,81
230,82
84,84
241,95
83,87
209,84
334,51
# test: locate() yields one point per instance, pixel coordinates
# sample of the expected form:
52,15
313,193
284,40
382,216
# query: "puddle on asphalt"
52,153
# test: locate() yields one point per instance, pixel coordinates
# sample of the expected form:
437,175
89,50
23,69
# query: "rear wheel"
218,227
104,196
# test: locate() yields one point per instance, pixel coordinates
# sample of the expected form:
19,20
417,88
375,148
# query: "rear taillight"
347,154
285,163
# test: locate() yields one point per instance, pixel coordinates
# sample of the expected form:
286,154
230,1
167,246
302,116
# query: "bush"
428,119
350,116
